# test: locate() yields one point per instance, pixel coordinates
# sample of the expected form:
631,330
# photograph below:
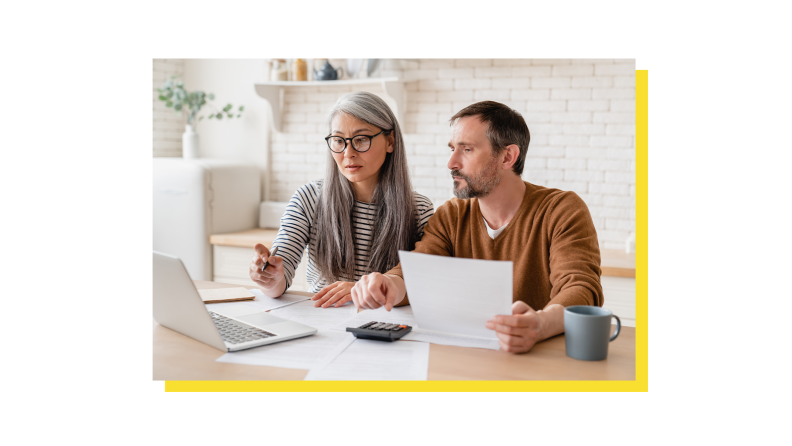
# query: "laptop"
178,306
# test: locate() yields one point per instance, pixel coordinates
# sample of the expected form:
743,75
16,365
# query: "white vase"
189,142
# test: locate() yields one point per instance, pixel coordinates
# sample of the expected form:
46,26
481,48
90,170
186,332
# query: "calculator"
380,331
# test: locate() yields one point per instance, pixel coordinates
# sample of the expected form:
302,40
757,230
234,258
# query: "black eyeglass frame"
371,139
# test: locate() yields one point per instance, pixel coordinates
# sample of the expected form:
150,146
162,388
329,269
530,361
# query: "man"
547,233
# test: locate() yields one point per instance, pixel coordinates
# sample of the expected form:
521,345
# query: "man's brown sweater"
551,240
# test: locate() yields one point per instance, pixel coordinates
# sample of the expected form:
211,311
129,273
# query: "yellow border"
640,384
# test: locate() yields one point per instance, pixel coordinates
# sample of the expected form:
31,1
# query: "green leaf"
162,98
211,96
239,116
169,104
177,107
211,116
219,116
200,118
241,108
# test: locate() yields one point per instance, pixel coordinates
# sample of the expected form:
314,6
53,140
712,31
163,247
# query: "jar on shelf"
299,70
278,70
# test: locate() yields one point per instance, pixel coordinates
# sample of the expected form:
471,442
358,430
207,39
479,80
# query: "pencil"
266,264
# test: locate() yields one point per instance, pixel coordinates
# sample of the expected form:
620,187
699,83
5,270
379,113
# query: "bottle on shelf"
278,70
299,70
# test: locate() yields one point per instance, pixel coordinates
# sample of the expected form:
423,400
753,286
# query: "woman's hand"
270,279
337,293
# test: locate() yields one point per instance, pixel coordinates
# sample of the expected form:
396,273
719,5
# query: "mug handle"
618,328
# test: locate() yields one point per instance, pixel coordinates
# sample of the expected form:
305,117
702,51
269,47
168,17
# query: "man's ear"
510,155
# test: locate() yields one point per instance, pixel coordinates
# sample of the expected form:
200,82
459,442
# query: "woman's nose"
350,151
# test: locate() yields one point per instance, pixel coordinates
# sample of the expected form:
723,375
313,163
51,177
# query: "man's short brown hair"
505,127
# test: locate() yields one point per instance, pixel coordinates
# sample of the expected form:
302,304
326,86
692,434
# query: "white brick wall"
168,125
580,114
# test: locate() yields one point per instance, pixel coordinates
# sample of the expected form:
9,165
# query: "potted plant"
189,104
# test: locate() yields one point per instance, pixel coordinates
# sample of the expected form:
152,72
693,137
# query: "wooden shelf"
272,92
244,239
370,80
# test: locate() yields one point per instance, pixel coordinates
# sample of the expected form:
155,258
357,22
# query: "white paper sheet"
321,318
260,303
366,360
434,337
301,353
457,296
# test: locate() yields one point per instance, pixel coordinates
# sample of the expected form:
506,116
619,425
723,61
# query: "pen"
266,264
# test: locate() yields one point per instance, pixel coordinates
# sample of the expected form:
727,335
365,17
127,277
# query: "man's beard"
478,185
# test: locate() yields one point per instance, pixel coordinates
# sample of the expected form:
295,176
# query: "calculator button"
390,326
367,325
376,326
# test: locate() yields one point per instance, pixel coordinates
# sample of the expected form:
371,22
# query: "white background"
76,219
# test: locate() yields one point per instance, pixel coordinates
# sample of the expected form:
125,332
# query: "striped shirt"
298,231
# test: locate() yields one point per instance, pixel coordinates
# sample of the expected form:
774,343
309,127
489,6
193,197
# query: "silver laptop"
178,306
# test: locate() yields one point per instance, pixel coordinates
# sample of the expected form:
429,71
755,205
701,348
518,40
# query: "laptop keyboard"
235,333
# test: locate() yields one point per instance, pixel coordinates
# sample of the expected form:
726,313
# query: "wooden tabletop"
614,263
178,357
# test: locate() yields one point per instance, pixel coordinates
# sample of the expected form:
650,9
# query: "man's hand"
337,293
376,290
519,332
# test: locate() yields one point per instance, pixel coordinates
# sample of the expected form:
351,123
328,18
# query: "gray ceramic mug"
587,331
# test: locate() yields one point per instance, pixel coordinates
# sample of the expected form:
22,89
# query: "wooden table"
178,357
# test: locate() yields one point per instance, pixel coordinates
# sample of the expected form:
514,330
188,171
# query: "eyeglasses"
360,143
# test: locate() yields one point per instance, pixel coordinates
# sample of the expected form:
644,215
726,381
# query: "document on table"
366,360
454,297
302,353
321,318
260,303
434,337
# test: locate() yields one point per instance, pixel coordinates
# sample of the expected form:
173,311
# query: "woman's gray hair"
395,223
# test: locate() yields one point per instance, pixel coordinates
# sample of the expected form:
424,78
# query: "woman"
356,220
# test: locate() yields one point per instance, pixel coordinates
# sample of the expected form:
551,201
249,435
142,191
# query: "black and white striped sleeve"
295,229
425,210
